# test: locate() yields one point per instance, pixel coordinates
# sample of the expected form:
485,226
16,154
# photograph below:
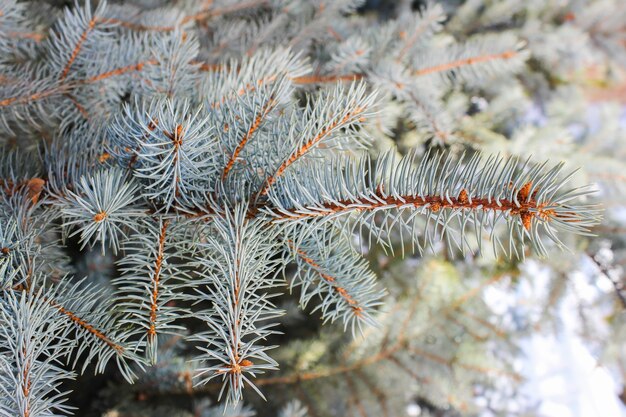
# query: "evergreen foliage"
173,175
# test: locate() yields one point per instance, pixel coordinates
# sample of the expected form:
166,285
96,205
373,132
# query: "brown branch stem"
156,279
354,305
86,326
465,62
308,145
254,126
527,210
66,88
77,48
203,14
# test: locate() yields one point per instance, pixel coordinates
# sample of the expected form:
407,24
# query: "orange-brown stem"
81,109
176,138
77,48
409,42
86,326
66,87
320,79
205,13
37,37
26,381
135,26
464,62
224,10
354,305
119,71
258,119
32,97
308,145
527,210
156,279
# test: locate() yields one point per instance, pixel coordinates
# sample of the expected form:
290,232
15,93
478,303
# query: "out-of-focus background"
570,105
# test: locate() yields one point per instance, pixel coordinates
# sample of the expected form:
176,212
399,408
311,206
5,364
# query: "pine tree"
177,178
